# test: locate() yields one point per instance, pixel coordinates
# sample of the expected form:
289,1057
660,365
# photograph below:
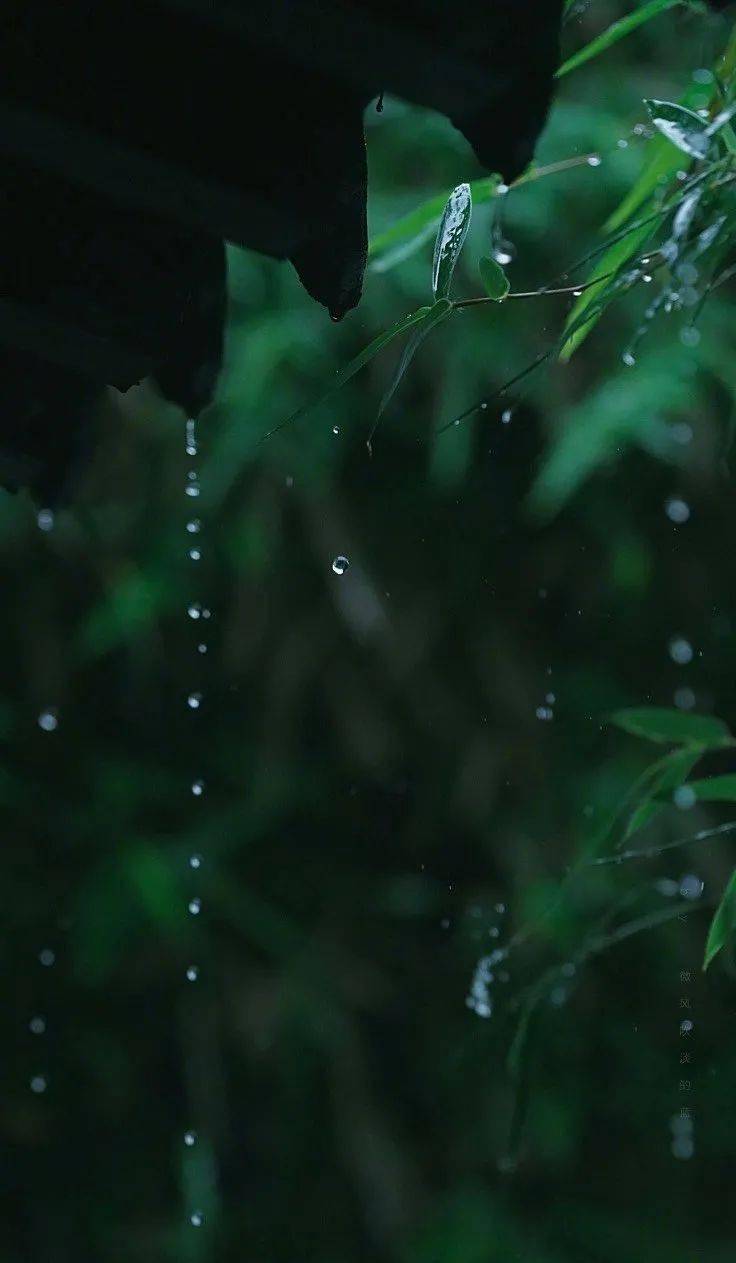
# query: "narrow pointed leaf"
723,923
659,723
615,32
354,366
435,315
681,126
494,279
451,235
670,773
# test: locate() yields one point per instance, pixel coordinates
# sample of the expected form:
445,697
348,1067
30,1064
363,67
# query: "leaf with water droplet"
665,726
681,126
451,236
495,280
723,923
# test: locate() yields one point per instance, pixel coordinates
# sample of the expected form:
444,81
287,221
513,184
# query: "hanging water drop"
194,526
195,906
37,1025
196,1219
192,973
45,520
340,565
194,701
190,1138
48,720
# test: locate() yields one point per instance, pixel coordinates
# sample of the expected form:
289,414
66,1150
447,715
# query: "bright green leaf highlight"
723,923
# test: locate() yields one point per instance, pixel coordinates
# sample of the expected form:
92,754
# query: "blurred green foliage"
389,757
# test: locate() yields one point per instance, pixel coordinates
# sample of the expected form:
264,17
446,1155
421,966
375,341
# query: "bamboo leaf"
659,723
616,31
494,279
723,923
681,126
451,236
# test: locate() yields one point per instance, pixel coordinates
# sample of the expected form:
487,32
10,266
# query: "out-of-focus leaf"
586,310
715,789
600,428
670,773
494,279
723,923
615,32
451,236
681,126
659,723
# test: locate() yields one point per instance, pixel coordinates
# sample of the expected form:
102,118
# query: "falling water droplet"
194,526
197,790
335,429
689,335
194,554
195,906
680,650
194,701
191,439
195,861
691,887
544,712
48,720
38,1083
192,973
629,359
190,1138
37,1025
684,797
201,648
677,510
194,610
196,1219
684,698
340,565
45,520
47,957
506,416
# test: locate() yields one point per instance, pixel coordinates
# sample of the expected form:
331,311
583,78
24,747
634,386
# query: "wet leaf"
681,126
451,235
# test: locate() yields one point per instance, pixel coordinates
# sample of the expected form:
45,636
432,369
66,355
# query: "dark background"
377,779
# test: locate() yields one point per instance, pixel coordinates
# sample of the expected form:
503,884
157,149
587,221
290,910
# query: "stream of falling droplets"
199,614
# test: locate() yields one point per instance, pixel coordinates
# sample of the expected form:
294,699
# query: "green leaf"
435,315
615,32
451,235
586,310
715,789
659,723
667,775
354,366
681,126
723,923
412,230
494,279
